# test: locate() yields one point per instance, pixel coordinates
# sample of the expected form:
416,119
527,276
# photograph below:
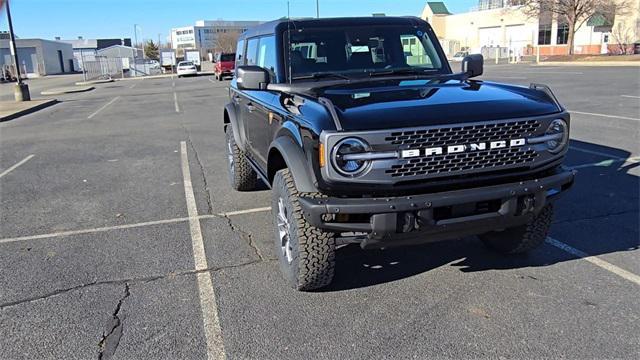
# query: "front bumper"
432,217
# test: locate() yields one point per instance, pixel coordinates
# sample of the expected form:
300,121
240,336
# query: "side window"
252,51
267,55
239,53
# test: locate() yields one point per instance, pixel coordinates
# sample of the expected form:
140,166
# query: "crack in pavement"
248,237
204,177
145,279
207,191
110,341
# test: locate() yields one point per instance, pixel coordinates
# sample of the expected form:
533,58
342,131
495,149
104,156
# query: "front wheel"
241,175
523,238
306,253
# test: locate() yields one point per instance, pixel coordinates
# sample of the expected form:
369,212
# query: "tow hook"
528,204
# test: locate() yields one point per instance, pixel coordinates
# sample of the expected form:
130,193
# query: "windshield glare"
359,49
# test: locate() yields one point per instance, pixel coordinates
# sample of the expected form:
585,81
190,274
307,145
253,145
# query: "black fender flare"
296,162
230,115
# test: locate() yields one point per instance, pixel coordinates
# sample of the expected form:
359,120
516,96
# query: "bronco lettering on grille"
454,149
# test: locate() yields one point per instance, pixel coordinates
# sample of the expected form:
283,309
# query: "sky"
116,18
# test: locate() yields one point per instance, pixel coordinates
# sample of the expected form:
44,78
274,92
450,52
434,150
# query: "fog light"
558,135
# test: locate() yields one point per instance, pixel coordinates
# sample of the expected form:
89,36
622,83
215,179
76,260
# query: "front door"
256,119
61,60
604,47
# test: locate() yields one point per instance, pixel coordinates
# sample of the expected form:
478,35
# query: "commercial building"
505,25
204,34
39,57
86,49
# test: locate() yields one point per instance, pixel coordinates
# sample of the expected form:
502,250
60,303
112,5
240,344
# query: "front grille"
464,134
453,163
460,163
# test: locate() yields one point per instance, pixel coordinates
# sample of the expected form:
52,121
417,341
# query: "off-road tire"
313,250
241,175
523,238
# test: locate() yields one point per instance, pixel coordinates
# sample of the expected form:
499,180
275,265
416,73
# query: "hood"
414,103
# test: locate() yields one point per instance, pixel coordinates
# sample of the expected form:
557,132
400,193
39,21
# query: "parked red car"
225,64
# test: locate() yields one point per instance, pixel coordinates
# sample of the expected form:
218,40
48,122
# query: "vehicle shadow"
588,217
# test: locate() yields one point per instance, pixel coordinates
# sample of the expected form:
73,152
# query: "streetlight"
21,90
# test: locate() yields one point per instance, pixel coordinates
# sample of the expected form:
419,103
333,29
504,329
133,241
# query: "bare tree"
624,36
574,13
226,42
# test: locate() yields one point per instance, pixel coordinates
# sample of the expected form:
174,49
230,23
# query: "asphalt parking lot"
120,238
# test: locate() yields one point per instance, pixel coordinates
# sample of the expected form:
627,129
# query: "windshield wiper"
321,75
408,71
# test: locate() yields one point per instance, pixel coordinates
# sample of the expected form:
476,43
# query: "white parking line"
607,163
175,102
16,165
91,230
599,153
604,115
208,306
595,260
103,107
631,96
125,226
248,211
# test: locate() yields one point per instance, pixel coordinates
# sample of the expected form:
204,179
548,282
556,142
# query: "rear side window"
239,52
267,55
252,51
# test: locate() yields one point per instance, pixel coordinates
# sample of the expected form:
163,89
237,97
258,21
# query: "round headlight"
558,133
345,159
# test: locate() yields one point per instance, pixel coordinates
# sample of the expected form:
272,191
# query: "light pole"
21,90
318,9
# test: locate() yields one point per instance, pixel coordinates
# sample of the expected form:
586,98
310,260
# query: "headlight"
345,156
558,135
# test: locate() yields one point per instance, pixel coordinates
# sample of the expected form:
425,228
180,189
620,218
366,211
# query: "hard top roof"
272,26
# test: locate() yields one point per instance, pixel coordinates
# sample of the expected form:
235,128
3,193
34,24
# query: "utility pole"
21,90
135,50
318,9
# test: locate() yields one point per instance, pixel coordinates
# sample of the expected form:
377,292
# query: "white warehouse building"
203,35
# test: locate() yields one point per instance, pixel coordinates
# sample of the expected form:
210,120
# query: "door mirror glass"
472,65
251,77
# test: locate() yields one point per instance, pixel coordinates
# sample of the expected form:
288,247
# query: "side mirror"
251,77
472,65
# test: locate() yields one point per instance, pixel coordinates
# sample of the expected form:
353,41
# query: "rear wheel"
306,253
523,238
241,175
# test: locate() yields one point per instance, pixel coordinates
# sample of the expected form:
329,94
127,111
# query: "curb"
91,82
30,110
61,91
589,63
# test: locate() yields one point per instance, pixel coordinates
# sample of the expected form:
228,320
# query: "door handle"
250,107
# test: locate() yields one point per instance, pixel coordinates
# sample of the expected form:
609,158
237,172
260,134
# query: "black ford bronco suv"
365,135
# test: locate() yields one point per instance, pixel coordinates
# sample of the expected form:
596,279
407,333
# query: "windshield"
227,57
185,63
360,49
